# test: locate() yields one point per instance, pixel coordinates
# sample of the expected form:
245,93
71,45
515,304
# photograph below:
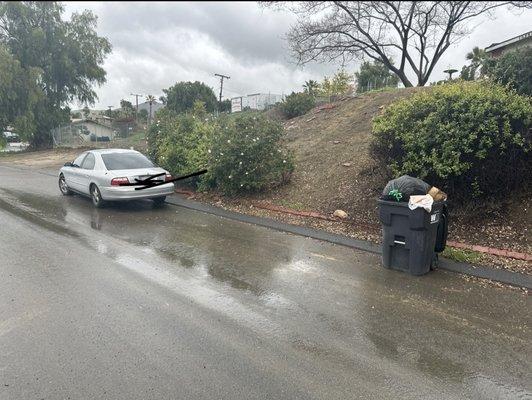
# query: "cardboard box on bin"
437,194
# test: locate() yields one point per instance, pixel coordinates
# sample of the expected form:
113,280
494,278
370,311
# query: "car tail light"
119,181
168,177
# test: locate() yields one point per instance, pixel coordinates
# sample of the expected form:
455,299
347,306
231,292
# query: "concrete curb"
499,275
313,214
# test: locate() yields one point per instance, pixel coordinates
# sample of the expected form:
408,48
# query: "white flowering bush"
247,154
242,152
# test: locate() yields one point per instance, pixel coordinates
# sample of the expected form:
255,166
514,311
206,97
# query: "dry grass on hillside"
333,166
334,170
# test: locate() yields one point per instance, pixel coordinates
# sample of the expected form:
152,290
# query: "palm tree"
150,99
477,57
311,87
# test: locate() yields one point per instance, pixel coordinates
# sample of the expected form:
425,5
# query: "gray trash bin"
409,236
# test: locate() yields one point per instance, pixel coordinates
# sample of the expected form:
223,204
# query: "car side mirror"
68,164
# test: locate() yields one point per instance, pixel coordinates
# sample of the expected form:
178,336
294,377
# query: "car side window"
88,163
79,160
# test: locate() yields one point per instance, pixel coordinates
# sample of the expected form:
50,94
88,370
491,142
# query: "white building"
256,101
87,128
81,132
238,103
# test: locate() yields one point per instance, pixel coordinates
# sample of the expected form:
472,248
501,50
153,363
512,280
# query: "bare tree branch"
417,33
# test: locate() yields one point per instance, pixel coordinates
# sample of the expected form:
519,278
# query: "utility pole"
137,104
222,77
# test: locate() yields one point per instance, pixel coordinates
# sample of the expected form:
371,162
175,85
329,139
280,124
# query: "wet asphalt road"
131,302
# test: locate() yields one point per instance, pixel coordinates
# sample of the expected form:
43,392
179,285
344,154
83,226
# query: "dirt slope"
334,170
333,166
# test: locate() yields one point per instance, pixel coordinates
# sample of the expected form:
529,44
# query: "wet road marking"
324,256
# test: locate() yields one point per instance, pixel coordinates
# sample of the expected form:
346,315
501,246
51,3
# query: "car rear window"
114,161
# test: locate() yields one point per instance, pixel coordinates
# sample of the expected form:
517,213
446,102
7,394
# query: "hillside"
334,170
333,166
331,145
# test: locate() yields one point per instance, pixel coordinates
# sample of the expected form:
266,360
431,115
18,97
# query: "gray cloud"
157,44
242,28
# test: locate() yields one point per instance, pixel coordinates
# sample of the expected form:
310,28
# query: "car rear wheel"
63,187
96,197
159,201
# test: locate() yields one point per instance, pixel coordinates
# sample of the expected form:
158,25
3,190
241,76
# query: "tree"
126,109
476,67
150,99
182,95
198,109
69,55
311,87
143,114
374,76
297,104
86,112
18,94
339,84
417,33
225,106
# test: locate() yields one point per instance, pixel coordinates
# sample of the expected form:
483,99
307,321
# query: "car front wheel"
63,187
96,197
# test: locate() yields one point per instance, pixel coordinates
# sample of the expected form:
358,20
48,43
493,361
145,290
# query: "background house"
94,131
498,49
81,132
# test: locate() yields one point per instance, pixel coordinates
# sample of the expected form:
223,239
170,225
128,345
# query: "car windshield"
114,161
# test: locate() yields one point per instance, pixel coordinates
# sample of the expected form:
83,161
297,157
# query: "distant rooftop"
495,46
87,120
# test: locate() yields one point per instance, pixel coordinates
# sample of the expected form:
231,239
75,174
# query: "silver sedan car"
114,175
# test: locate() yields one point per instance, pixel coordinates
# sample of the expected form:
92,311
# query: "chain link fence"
67,136
83,134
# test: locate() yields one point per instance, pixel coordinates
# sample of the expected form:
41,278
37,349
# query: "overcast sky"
158,44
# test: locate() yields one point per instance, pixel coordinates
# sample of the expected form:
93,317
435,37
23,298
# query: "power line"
110,114
232,91
222,77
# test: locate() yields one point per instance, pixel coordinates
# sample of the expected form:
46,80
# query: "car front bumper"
116,193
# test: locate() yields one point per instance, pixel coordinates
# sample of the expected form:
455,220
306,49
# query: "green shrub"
181,96
242,152
246,154
297,104
512,69
179,142
468,138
